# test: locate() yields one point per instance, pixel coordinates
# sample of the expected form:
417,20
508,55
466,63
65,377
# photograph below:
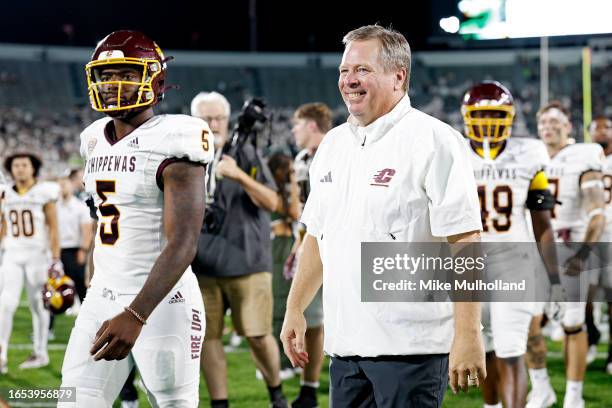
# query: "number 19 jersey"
503,185
124,178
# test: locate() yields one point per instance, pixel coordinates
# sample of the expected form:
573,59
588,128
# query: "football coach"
391,173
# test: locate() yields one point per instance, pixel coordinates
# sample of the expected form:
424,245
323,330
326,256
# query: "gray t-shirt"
242,245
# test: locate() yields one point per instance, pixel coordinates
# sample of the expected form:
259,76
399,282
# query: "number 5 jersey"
125,180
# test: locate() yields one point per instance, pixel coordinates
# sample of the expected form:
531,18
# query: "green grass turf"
246,391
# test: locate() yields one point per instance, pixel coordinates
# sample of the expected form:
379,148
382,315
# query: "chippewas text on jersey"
123,164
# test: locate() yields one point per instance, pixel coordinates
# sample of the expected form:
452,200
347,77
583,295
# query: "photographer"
234,252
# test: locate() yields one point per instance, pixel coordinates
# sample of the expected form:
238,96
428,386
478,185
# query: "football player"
2,192
601,132
146,173
575,175
29,231
511,180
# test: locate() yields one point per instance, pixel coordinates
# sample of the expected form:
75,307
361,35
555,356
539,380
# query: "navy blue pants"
418,381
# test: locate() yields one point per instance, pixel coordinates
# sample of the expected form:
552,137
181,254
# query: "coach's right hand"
292,336
119,334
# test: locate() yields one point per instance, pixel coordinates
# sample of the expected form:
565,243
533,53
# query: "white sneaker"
34,361
609,368
543,397
3,367
284,374
129,404
573,403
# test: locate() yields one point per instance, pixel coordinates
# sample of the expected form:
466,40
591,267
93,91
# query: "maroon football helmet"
488,112
137,62
58,294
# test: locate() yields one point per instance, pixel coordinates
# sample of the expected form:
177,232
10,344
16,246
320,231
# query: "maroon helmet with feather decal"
126,73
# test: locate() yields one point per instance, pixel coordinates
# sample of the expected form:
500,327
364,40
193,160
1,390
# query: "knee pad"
574,330
573,316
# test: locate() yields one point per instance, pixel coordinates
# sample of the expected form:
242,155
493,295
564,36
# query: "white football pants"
167,352
18,267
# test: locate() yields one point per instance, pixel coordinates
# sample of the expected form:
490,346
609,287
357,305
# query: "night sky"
298,26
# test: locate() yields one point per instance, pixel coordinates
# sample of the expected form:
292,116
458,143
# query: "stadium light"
450,24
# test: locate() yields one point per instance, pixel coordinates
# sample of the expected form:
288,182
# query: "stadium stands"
43,90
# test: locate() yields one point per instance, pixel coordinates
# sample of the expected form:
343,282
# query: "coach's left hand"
119,334
467,359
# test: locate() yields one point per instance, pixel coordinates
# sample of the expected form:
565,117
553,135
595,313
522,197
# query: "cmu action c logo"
383,177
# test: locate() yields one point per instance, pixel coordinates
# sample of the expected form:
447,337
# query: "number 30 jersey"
26,227
565,175
503,186
124,178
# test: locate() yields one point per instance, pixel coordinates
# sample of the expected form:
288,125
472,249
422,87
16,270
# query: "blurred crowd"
53,134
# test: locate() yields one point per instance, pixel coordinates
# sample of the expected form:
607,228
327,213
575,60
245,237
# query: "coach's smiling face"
367,88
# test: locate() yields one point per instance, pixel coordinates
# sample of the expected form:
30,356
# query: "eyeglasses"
210,119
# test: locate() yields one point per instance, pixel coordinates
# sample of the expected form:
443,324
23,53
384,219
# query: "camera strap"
211,184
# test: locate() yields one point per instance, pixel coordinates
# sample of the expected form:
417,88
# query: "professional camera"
253,112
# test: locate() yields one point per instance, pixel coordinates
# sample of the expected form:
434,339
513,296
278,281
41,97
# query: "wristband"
583,252
554,279
135,314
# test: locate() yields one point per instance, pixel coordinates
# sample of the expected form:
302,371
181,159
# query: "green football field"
245,390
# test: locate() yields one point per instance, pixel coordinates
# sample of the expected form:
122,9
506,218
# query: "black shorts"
418,381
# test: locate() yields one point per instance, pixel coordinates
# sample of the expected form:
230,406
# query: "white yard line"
232,350
51,347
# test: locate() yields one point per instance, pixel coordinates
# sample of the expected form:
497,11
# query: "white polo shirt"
406,174
71,215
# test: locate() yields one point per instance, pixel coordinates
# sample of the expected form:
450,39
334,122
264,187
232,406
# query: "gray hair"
209,97
394,50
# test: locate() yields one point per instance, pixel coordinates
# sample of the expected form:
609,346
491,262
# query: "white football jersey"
26,227
3,187
125,180
564,175
607,180
503,184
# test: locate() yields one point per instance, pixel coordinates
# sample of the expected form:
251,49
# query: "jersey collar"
366,135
